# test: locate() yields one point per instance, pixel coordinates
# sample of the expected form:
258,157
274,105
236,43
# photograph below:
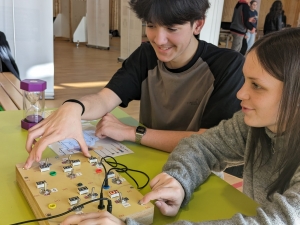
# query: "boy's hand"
110,126
61,124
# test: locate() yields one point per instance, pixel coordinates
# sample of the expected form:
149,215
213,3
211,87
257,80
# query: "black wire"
62,214
138,171
127,169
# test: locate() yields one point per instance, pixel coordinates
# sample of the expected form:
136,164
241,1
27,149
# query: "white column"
211,30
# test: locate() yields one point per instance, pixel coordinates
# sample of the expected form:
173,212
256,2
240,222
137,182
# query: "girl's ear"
198,25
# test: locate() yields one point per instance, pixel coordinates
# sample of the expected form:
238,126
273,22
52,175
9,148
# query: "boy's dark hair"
169,12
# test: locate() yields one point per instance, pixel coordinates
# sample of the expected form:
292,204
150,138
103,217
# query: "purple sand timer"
33,101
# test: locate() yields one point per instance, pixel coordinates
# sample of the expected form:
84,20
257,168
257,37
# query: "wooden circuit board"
63,188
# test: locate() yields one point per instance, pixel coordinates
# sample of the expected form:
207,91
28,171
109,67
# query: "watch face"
141,130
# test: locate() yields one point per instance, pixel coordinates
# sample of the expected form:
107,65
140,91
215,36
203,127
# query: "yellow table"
213,200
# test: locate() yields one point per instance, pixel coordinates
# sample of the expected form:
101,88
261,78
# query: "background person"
273,21
264,136
283,19
7,61
240,24
252,14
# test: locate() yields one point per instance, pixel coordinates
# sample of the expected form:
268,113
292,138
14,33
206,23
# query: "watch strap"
139,133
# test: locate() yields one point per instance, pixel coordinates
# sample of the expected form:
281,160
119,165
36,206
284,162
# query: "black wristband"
76,101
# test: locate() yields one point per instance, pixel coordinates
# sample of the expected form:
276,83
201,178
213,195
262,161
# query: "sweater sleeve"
284,209
195,157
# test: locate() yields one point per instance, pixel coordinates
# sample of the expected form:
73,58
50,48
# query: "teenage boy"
184,85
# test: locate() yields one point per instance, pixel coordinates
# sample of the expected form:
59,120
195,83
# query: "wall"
28,26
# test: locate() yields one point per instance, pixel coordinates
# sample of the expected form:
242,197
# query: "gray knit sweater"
226,145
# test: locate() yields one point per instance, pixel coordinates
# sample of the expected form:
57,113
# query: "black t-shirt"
198,95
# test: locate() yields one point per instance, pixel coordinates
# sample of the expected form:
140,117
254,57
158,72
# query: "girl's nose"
243,94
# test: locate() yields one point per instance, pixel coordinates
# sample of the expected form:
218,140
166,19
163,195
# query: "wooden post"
70,21
297,16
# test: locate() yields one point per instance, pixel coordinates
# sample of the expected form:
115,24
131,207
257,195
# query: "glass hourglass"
33,102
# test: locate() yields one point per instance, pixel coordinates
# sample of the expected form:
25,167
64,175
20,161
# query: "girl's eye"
149,25
256,86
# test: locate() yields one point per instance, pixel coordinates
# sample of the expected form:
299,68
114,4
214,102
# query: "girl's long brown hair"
279,54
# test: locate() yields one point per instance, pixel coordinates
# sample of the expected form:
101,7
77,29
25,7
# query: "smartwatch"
139,133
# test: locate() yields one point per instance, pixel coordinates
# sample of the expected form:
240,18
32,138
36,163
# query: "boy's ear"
198,25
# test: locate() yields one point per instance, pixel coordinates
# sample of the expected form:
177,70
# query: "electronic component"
69,159
99,163
111,174
75,162
52,206
83,190
54,190
113,194
40,184
52,173
71,174
123,201
92,194
125,204
76,205
45,191
93,159
116,180
45,167
67,169
74,200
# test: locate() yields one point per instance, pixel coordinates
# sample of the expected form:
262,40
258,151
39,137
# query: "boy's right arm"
66,123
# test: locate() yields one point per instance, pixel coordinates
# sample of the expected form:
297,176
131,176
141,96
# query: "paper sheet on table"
103,147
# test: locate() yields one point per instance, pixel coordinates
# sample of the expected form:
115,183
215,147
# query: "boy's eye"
171,29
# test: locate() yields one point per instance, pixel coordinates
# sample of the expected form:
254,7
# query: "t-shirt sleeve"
245,15
127,81
223,103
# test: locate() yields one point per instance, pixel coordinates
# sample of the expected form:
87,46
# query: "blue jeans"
250,39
